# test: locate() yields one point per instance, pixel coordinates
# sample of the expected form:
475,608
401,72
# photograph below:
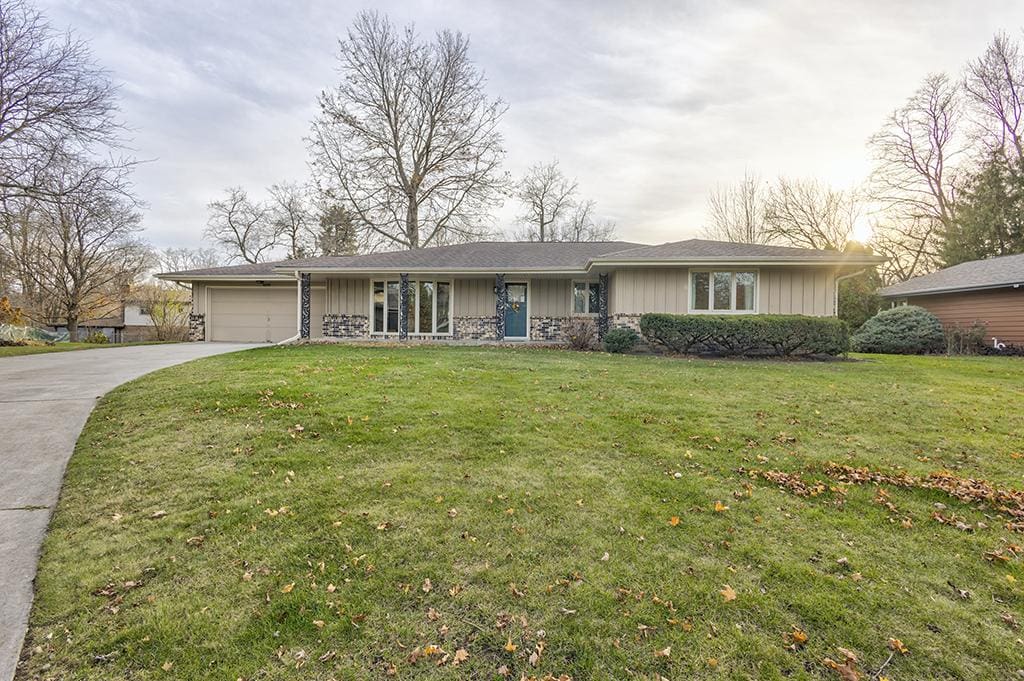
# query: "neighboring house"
129,323
989,291
508,290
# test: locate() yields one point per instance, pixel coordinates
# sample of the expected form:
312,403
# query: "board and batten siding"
636,291
348,296
473,298
1001,310
781,290
550,297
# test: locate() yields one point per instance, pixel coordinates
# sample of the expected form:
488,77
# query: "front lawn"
42,348
435,512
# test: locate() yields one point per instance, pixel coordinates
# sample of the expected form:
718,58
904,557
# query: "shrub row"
748,335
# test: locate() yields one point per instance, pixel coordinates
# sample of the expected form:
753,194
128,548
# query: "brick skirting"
346,326
475,328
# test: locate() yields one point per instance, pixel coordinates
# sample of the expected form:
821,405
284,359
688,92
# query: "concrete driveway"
44,402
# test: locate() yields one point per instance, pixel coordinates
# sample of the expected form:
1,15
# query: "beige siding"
473,297
781,290
348,296
198,298
201,290
550,297
634,291
796,290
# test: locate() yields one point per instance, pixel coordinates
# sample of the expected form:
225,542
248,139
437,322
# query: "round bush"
620,340
97,337
903,330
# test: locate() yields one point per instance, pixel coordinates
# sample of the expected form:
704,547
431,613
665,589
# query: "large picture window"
723,291
586,297
428,311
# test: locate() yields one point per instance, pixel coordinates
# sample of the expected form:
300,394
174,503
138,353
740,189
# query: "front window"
428,310
586,297
723,291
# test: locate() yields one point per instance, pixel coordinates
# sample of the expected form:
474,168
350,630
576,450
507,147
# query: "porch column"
500,303
602,305
304,305
403,307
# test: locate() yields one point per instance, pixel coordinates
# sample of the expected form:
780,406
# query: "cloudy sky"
648,104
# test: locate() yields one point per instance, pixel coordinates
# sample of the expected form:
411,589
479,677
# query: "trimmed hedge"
903,330
747,335
620,340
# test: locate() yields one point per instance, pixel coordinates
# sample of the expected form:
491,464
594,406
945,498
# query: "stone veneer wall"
346,326
196,327
625,321
475,328
547,328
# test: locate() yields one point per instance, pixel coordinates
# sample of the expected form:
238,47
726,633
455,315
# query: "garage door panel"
261,314
252,314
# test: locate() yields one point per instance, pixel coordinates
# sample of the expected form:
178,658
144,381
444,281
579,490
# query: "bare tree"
915,176
167,307
737,212
910,246
55,102
548,196
994,84
292,217
174,259
583,226
809,214
90,247
409,142
241,227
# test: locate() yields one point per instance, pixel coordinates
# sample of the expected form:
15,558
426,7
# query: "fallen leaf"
673,521
720,507
666,652
427,586
167,666
728,593
461,655
897,645
509,646
287,588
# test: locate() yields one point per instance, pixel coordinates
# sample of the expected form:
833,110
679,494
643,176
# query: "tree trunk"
72,327
412,224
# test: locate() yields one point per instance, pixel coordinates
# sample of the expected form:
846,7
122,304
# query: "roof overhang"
957,289
760,262
363,271
272,276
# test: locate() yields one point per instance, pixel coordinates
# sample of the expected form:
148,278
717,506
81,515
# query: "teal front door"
515,311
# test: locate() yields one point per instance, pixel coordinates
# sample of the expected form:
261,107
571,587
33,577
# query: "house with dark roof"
989,291
508,291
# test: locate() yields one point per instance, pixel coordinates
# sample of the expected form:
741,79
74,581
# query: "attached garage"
257,314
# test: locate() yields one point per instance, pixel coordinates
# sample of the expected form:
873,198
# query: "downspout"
298,316
835,302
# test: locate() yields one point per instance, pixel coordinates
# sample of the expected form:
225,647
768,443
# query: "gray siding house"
508,291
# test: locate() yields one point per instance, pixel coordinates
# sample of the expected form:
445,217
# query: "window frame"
414,294
733,271
572,297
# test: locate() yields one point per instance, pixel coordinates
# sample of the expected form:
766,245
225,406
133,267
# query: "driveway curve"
44,402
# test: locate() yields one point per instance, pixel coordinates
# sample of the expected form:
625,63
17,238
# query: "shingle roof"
245,270
489,255
705,249
1006,270
511,256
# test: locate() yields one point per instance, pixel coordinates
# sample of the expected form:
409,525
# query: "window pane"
394,299
701,288
745,290
444,301
579,298
723,290
378,306
595,298
426,307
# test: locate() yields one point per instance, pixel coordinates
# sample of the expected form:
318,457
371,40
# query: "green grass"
18,350
480,469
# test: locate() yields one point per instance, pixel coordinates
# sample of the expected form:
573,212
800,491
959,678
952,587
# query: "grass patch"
277,514
40,349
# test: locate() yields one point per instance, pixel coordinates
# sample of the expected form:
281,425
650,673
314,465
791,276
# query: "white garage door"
259,314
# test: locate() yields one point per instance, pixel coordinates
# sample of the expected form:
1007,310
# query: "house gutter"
851,275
